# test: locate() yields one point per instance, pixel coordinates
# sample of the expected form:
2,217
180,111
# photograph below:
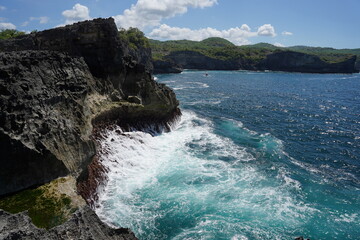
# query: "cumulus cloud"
7,25
238,36
77,13
285,33
150,12
266,30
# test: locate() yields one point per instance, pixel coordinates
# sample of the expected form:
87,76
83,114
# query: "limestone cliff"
56,87
289,61
54,84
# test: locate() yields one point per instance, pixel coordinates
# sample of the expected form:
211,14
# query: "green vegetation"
45,207
9,33
217,48
222,49
328,54
134,38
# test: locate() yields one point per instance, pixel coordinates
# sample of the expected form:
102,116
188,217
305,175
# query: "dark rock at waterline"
83,225
162,66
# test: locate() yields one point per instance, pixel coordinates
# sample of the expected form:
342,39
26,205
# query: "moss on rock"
48,206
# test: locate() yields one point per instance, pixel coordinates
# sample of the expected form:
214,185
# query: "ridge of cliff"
170,56
58,88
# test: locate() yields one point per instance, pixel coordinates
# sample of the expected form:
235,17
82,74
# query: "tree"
10,33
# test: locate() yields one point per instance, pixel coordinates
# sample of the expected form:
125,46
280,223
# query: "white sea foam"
189,171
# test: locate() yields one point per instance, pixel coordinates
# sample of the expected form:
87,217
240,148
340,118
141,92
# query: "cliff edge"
57,86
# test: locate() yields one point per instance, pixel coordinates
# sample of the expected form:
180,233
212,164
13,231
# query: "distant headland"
220,54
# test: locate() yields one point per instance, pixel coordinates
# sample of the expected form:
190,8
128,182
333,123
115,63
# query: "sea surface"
255,155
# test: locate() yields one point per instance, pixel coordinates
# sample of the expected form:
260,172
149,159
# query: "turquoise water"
254,156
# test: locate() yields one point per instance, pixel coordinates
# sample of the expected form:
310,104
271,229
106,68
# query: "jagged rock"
83,225
54,84
44,118
56,88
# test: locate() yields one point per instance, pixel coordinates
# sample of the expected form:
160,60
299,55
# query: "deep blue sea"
255,156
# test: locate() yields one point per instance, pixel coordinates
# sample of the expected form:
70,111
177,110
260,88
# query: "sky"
319,23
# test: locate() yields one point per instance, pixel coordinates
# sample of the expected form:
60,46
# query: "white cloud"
285,33
266,30
4,25
279,44
238,36
77,13
150,12
42,20
2,8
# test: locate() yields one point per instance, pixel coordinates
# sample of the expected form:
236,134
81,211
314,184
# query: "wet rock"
83,225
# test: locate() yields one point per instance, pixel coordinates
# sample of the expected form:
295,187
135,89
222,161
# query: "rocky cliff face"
56,87
44,118
55,84
300,62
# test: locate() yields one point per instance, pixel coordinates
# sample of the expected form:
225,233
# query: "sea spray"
191,183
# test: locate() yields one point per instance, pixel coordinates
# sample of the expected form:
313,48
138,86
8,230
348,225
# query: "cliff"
196,60
57,86
215,54
290,61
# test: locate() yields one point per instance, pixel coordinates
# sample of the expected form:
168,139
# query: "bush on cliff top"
10,33
134,38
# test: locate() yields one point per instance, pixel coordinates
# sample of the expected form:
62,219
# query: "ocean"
255,155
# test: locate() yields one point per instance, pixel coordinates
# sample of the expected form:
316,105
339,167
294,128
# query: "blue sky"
326,23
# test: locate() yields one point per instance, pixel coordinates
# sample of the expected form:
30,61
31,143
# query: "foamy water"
216,177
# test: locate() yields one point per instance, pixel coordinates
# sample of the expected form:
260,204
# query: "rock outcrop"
44,119
56,88
83,225
55,85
